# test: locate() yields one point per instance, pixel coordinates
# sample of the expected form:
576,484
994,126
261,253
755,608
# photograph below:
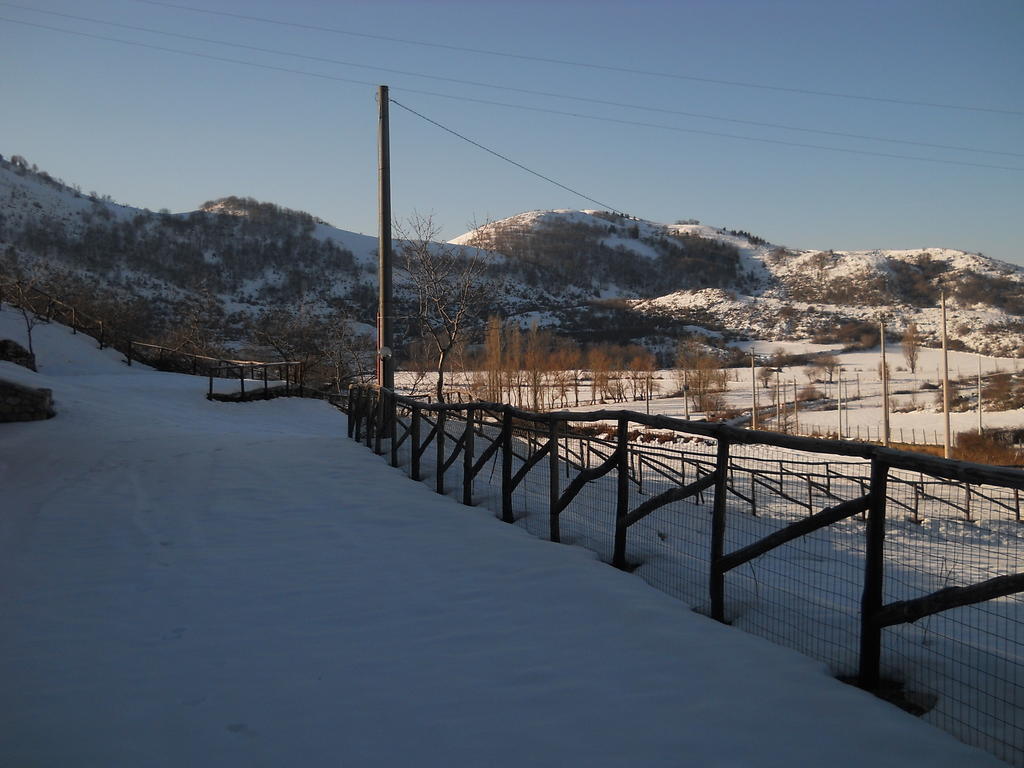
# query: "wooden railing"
852,481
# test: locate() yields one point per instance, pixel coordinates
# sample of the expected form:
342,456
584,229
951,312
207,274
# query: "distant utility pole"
385,349
980,429
945,381
796,413
885,390
839,399
753,391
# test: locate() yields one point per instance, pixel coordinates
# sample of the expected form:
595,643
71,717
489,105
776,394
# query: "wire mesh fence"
900,572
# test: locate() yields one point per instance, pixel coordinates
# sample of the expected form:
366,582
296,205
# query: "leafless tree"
911,346
23,297
829,364
449,286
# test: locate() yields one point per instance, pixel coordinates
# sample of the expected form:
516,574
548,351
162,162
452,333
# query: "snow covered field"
917,418
184,582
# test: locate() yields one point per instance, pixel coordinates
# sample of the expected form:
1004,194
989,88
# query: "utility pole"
945,381
686,393
885,392
780,418
980,430
839,399
385,349
753,391
796,413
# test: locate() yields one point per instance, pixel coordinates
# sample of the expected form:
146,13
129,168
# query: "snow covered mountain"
590,274
737,283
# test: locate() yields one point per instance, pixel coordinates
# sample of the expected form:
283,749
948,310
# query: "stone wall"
18,403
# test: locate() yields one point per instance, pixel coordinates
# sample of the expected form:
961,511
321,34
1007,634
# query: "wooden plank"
529,464
668,497
486,456
457,446
909,611
584,477
793,531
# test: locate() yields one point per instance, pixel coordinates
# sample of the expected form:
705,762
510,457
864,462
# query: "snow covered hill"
735,282
589,274
184,582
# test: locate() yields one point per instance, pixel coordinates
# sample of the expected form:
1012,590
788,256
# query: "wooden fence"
849,481
47,308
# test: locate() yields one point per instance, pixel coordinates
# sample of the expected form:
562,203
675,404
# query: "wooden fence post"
717,585
370,408
414,427
439,442
378,430
554,490
506,466
351,410
874,577
467,459
622,495
393,428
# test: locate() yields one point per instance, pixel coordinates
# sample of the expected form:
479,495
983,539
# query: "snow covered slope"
185,582
592,274
736,282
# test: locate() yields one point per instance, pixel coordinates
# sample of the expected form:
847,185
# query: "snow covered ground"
184,582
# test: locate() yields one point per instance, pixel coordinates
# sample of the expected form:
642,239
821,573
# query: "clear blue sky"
158,129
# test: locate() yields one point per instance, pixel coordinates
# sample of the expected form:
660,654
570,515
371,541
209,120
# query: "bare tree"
23,298
829,364
911,346
324,342
449,286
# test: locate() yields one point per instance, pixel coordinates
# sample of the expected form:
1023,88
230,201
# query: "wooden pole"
753,391
506,467
839,399
414,427
385,357
717,581
796,412
945,382
439,444
874,575
980,428
622,497
885,391
686,394
554,488
468,454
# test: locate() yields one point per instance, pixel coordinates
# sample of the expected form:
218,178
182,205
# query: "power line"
527,91
337,78
716,134
506,159
191,53
588,65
